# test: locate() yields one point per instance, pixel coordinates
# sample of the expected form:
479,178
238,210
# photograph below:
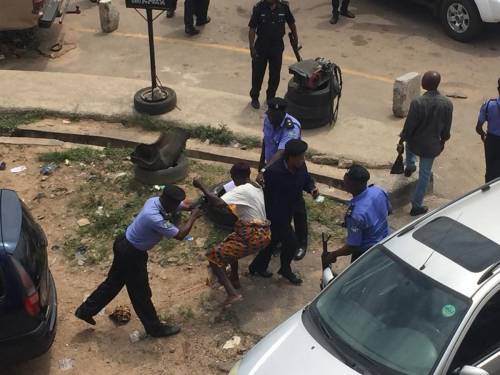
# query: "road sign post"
156,99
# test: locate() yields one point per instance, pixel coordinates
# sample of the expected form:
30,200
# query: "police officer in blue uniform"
268,24
129,267
490,113
285,180
366,219
279,128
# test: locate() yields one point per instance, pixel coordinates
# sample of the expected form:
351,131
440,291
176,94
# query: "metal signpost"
156,99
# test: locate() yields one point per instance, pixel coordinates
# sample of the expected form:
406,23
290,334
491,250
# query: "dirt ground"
179,285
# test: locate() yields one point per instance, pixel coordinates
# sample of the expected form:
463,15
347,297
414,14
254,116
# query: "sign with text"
147,4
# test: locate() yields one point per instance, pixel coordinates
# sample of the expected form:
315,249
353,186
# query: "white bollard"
109,16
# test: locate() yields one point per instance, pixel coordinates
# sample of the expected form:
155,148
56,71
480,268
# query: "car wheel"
163,176
167,102
461,19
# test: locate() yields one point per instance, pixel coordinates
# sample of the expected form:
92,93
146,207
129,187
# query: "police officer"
343,10
285,180
279,128
192,8
366,218
129,267
268,23
490,113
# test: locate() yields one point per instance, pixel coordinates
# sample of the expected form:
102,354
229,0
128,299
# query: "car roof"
10,220
457,245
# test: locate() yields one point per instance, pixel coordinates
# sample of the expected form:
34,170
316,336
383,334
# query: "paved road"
388,38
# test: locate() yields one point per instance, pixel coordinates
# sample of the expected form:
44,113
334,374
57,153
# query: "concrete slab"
398,187
111,98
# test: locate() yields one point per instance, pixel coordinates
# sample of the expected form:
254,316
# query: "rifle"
295,45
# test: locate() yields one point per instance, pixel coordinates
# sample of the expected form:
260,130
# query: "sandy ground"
179,292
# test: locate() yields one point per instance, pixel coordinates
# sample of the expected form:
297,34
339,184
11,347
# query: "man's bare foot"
232,299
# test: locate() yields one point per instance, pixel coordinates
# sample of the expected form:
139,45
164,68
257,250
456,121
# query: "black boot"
164,330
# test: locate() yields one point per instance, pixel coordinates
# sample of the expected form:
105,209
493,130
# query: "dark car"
28,301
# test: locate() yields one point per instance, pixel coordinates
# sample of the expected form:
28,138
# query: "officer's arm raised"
186,228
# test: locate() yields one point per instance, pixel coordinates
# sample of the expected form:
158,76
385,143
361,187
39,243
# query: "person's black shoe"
255,103
334,19
191,31
290,276
164,330
265,274
203,22
409,171
347,14
416,211
300,254
170,13
85,317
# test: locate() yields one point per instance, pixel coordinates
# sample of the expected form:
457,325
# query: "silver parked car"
424,301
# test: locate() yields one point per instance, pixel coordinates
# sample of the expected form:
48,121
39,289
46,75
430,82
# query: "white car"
424,301
464,19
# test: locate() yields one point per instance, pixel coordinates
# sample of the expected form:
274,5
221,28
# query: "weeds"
10,121
85,155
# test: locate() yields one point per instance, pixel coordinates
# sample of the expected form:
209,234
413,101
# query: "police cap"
173,192
358,173
277,104
295,147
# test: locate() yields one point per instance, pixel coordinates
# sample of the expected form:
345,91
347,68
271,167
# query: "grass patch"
328,214
85,155
10,121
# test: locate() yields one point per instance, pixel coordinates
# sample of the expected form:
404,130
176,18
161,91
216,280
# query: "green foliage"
10,121
218,135
85,155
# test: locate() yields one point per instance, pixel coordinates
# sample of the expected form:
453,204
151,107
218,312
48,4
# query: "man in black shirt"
285,180
268,24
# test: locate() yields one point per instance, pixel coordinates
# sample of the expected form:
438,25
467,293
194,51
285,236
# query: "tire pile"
312,92
162,162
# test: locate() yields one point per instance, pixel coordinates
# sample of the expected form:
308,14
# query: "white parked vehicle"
424,301
464,19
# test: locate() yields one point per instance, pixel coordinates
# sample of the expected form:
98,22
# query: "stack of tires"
162,162
314,107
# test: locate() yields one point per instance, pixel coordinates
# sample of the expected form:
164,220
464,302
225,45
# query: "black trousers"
492,156
172,4
259,65
198,8
336,5
300,223
285,235
129,268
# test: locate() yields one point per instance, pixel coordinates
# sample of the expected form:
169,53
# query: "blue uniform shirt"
276,139
366,218
150,226
493,117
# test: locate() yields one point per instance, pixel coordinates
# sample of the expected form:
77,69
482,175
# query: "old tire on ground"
310,117
461,19
309,98
217,216
157,107
163,176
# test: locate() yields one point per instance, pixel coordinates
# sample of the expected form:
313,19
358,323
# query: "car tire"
311,117
163,176
157,107
461,19
308,98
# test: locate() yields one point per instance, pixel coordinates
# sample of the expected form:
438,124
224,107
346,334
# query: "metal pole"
149,13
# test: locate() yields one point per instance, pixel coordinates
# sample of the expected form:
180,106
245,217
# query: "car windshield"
390,316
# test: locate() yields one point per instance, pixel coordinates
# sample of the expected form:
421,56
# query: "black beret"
278,104
358,173
295,147
174,193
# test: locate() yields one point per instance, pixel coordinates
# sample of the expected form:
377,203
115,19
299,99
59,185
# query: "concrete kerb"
398,187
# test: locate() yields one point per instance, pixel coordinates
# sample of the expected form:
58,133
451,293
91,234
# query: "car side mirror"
471,370
327,278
